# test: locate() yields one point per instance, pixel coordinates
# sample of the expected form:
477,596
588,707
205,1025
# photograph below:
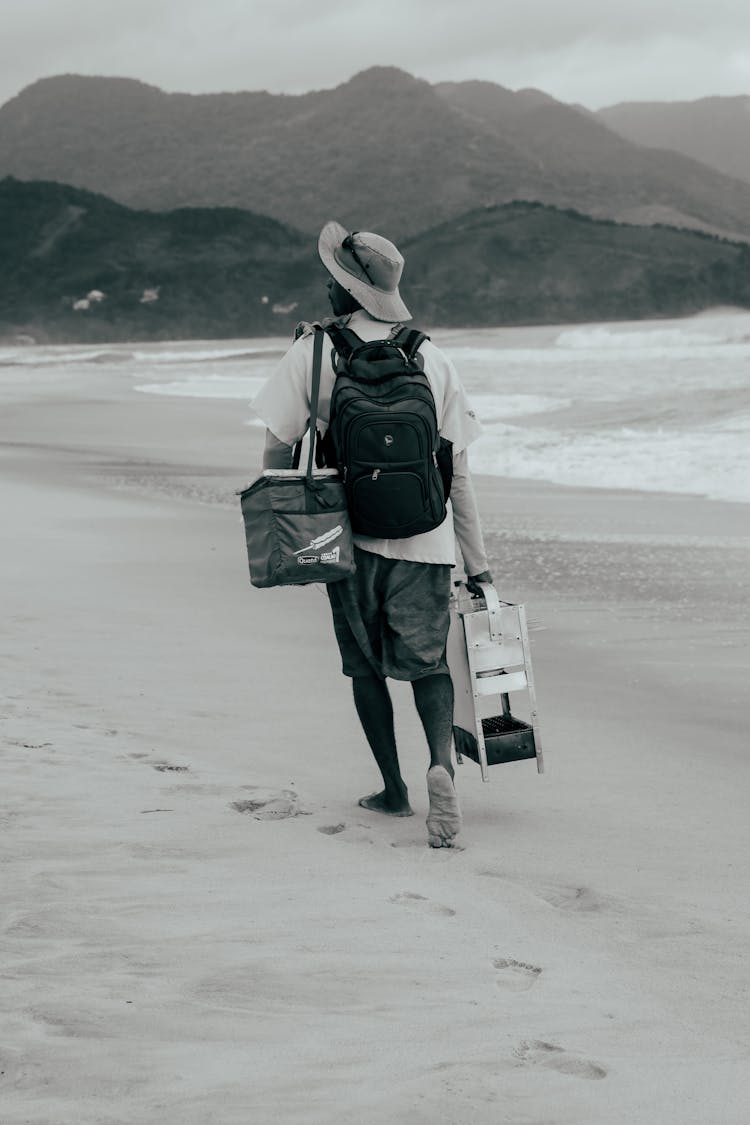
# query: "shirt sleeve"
466,517
283,403
458,422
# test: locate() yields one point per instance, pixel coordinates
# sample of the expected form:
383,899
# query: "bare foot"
444,817
378,802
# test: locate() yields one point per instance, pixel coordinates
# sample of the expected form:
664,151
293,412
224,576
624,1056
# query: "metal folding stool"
490,659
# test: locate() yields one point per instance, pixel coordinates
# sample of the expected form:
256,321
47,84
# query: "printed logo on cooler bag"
305,556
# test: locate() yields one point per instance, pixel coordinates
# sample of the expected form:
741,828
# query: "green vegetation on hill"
188,273
528,264
75,266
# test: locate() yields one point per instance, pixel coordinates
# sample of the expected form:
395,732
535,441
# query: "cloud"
662,69
594,73
582,50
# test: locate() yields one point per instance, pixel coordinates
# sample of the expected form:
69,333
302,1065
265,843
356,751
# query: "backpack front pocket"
388,441
388,504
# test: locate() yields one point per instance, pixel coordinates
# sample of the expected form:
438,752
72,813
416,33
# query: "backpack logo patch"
388,439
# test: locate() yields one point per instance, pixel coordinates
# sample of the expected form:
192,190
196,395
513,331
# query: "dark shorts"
402,607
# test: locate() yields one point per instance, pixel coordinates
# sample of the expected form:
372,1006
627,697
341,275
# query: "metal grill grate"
502,724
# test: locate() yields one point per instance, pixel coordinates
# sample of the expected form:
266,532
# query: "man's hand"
473,581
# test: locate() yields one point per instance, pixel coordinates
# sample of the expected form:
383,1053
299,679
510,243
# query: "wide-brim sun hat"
368,266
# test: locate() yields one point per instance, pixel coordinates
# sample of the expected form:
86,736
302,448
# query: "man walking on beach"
401,589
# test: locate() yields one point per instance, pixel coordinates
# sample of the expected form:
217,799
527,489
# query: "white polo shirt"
284,405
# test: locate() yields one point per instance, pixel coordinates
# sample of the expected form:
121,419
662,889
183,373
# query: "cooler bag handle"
314,396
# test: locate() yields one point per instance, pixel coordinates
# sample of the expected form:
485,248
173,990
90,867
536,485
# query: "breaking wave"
706,331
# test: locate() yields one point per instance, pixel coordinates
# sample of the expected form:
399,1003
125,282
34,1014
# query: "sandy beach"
200,925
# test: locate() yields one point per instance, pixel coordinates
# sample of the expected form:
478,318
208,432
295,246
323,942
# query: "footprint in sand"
421,904
269,804
332,829
167,767
19,1071
535,1052
580,899
515,976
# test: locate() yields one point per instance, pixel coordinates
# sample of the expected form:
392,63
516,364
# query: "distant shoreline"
25,338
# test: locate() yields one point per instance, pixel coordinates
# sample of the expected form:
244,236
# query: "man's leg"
373,702
433,696
349,601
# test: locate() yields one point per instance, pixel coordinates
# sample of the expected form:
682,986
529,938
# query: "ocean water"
649,405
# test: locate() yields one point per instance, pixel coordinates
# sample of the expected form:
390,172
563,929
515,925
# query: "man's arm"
459,425
283,404
277,454
466,524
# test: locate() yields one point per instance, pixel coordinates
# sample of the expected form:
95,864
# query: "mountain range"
383,151
76,266
715,131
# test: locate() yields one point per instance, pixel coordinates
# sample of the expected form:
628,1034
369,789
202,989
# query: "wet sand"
199,924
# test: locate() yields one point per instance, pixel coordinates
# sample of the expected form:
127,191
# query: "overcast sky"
595,52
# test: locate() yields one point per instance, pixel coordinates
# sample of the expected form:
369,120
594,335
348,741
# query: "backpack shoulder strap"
409,340
343,339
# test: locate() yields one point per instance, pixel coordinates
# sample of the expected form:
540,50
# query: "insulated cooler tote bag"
296,523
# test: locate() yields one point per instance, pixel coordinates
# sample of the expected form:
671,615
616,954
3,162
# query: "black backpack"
383,435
